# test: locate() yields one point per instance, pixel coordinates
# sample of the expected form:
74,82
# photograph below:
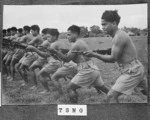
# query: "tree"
95,29
83,31
145,30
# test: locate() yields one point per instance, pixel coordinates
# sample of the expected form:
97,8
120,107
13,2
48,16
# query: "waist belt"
86,65
129,64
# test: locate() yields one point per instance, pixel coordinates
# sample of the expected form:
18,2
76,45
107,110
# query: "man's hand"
30,48
89,54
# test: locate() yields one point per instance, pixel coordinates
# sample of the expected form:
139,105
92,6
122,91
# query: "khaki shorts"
68,69
88,75
132,76
9,58
29,59
39,62
19,54
51,67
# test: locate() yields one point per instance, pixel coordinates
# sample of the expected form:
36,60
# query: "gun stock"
103,52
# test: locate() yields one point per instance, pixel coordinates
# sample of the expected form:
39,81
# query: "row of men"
29,61
77,62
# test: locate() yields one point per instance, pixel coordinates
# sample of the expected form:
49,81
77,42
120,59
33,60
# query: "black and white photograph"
74,54
0,90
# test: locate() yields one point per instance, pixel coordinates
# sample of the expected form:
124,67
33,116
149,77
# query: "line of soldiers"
46,52
25,50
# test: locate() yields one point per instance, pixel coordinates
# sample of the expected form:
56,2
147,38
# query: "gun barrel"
103,52
78,52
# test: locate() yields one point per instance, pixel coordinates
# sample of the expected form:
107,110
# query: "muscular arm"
117,49
34,40
39,52
23,39
13,38
70,56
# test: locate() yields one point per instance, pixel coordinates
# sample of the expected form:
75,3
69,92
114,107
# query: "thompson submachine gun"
13,44
103,52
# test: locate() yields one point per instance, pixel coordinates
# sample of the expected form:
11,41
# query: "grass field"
13,94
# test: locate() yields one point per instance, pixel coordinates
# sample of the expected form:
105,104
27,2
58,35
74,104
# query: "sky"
63,16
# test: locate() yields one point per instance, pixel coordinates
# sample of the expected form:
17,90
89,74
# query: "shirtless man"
124,54
30,57
8,33
11,51
20,32
16,56
15,62
22,53
6,50
88,74
53,63
39,63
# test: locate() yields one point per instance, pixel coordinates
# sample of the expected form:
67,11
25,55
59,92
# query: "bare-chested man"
6,50
53,63
41,61
124,54
11,51
30,57
88,74
21,53
20,32
17,55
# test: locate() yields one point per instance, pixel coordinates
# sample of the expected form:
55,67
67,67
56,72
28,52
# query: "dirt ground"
14,94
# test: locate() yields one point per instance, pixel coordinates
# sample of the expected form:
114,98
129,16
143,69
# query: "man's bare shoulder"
120,37
57,45
39,37
80,42
45,43
28,36
78,45
14,37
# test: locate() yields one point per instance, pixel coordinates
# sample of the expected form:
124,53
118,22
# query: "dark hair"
8,30
111,16
14,29
20,30
44,31
35,28
26,28
53,32
74,29
4,30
